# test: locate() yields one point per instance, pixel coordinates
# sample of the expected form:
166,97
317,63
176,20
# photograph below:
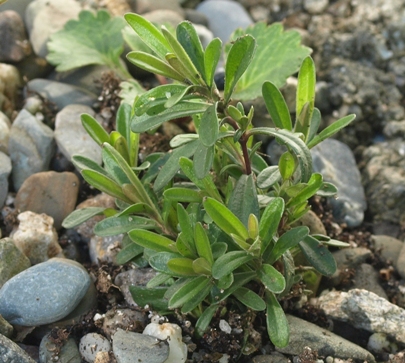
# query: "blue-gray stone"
62,94
5,170
129,347
31,147
10,352
44,293
51,352
335,161
224,17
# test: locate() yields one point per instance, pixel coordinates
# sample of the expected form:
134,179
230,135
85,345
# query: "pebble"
380,343
224,17
62,94
49,352
10,82
275,357
13,261
10,352
335,161
5,170
304,334
400,264
315,6
91,344
45,17
36,238
6,328
41,193
16,5
365,310
129,347
31,147
366,277
104,249
4,132
313,222
387,247
126,319
70,135
44,293
15,45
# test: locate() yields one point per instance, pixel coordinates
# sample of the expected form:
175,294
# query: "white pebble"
224,326
91,344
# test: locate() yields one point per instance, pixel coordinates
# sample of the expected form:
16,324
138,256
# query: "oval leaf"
250,299
229,262
79,216
271,278
153,241
276,106
277,324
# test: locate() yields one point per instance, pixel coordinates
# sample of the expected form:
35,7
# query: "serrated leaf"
79,216
276,106
225,219
238,59
211,58
271,278
280,50
277,324
250,299
93,39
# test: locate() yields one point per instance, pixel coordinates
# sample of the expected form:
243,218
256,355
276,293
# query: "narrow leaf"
202,243
277,324
211,58
314,124
209,125
153,298
182,267
115,225
128,253
188,292
307,192
270,220
203,159
225,219
79,216
229,262
152,240
268,177
183,195
94,129
250,299
276,106
271,278
204,320
82,163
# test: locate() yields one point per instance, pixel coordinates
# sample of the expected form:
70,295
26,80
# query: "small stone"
15,45
129,347
5,170
13,261
91,344
380,343
304,334
125,319
41,193
400,263
313,222
365,310
31,147
4,132
315,6
6,329
71,137
36,237
45,17
367,278
10,352
10,83
64,353
104,249
44,293
387,247
224,326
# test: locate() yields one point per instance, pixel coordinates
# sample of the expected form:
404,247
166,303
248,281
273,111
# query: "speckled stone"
44,293
10,352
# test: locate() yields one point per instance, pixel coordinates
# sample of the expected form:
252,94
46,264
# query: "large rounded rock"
41,193
10,352
44,293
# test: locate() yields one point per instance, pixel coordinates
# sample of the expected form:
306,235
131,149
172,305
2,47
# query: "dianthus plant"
214,220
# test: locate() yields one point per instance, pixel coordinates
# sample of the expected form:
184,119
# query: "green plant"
211,217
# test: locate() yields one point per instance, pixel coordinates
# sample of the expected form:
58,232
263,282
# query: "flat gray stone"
366,277
71,137
31,147
304,334
335,161
44,293
10,352
130,347
387,247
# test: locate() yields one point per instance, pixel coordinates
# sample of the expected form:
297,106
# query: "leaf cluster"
211,217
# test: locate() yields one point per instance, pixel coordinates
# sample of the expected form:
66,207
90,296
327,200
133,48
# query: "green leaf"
122,224
218,249
148,122
276,106
82,163
130,90
202,243
225,219
181,266
211,58
250,299
152,64
93,39
268,177
104,184
157,280
209,125
112,167
94,129
243,200
331,130
201,266
271,278
184,195
270,221
204,320
190,41
318,256
327,190
286,165
160,262
287,241
186,228
128,253
154,298
229,262
191,294
239,279
314,125
149,34
123,126
171,167
151,240
238,59
79,216
305,96
277,324
308,191
203,159
279,50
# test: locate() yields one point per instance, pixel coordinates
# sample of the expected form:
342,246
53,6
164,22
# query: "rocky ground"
76,307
